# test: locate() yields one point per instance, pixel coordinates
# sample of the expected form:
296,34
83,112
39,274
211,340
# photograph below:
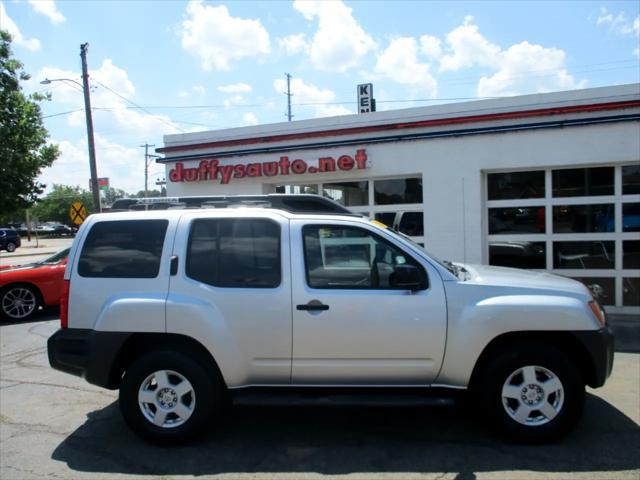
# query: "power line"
63,113
140,107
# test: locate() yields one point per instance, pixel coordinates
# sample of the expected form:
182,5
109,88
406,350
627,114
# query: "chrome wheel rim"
19,302
166,398
532,395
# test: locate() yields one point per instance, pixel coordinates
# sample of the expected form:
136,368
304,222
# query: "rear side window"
123,249
235,253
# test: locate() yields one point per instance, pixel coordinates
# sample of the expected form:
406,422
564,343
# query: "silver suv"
181,309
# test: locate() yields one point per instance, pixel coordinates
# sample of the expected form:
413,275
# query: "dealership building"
548,181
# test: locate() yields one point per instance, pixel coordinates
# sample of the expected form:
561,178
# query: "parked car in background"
9,239
26,288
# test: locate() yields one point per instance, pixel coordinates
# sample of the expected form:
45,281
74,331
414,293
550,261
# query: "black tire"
11,247
207,397
31,302
568,403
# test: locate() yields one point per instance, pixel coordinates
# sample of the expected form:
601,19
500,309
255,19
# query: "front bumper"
87,353
599,344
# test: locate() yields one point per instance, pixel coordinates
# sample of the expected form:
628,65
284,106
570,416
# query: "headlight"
598,312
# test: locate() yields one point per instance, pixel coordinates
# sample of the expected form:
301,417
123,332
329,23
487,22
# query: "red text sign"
211,170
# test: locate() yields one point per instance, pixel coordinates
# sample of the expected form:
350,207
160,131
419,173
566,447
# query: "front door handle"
313,305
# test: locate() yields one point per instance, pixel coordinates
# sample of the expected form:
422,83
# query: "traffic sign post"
78,213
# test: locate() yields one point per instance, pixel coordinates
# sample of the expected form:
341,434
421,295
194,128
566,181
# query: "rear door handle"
313,305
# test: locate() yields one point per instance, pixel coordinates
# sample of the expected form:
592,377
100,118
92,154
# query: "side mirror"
408,277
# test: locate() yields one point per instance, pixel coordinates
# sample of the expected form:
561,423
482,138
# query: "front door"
351,326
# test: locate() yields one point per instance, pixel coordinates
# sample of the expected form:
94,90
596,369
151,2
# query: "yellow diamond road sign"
77,213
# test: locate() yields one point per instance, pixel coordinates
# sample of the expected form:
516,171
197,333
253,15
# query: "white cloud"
216,38
340,42
110,112
235,88
197,89
309,93
249,118
293,44
123,165
48,9
233,100
527,68
467,47
399,62
519,69
619,23
10,26
430,46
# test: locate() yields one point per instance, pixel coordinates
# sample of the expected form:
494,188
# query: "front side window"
235,253
123,249
350,257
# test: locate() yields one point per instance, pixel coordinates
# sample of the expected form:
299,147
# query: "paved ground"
58,426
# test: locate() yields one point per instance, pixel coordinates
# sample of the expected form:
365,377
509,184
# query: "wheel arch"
563,341
139,344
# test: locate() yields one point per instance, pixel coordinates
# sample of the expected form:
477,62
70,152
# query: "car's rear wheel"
532,393
18,302
167,397
11,247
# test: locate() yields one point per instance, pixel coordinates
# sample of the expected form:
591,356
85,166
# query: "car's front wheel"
11,247
532,393
167,397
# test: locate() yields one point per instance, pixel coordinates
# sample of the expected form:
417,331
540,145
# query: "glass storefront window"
631,179
409,223
516,185
308,189
516,220
579,182
631,217
584,255
631,291
631,254
605,288
401,190
583,218
348,193
518,254
388,218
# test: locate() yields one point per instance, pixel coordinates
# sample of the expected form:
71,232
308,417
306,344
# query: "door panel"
371,333
232,292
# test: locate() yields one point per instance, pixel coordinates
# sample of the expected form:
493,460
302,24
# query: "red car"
26,288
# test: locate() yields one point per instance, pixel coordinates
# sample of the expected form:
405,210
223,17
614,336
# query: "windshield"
56,257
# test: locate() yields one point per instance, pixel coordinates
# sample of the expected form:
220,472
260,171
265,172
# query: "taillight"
64,304
598,312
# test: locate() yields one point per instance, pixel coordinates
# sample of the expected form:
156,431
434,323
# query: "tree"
23,138
150,193
112,194
55,206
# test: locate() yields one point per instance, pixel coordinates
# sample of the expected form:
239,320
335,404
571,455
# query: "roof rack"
293,203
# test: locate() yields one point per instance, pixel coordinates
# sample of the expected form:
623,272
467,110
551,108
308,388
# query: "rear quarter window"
123,249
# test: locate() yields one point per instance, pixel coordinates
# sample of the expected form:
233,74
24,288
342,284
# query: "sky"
163,67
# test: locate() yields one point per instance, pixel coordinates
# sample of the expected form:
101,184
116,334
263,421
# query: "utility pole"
289,95
146,167
92,146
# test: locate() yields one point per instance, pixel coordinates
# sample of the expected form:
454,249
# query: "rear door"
232,292
350,325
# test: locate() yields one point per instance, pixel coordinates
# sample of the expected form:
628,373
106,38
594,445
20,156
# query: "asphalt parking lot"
54,425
